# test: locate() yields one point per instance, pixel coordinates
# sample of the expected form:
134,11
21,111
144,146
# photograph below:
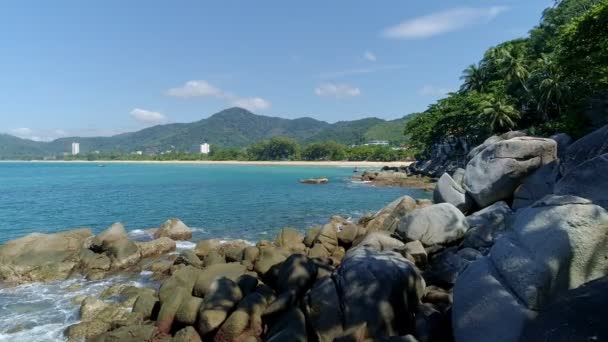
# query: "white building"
75,148
205,148
377,143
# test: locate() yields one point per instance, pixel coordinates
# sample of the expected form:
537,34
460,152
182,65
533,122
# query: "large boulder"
557,244
42,257
174,229
587,180
563,141
487,225
536,186
290,239
114,233
577,316
205,247
372,292
588,147
206,277
495,173
448,191
123,253
246,320
388,217
326,242
435,224
222,297
130,333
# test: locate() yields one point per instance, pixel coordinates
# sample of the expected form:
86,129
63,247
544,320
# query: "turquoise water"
220,201
223,201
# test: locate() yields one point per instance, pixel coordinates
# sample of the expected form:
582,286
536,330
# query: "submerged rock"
314,181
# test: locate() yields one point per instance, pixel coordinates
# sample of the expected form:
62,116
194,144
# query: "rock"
587,180
557,244
188,257
206,277
563,141
495,173
86,330
444,268
295,276
95,309
448,191
214,258
41,257
314,181
436,224
247,283
175,230
250,255
348,233
458,176
169,306
431,325
184,278
393,288
487,225
536,186
233,250
326,242
148,305
93,262
187,334
586,148
577,315
440,298
246,320
156,247
123,253
188,310
161,266
416,250
290,239
489,141
291,327
388,217
133,333
223,295
381,241
204,247
269,257
114,233
311,235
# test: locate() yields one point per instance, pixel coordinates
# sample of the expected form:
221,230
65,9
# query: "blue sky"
99,68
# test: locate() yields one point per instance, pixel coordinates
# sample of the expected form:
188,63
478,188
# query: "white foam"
184,245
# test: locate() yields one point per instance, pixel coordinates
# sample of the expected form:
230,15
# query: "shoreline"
227,162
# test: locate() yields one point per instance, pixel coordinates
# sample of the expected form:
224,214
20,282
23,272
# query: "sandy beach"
228,162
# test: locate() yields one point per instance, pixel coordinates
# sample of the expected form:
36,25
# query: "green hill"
230,128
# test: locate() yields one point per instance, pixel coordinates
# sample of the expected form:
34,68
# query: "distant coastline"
226,162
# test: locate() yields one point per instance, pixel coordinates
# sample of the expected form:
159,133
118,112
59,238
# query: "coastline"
226,162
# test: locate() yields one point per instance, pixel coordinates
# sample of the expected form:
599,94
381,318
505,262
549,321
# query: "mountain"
230,128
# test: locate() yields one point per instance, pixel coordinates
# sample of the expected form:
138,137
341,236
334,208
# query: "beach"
229,162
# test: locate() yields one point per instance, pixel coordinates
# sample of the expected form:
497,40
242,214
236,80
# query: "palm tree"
500,114
474,78
512,65
552,86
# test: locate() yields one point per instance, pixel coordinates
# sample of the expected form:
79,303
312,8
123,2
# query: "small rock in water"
314,181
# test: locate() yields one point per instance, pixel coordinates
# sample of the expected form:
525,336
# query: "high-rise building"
205,148
75,148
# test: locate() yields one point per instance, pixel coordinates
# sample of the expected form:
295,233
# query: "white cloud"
147,116
198,88
337,90
202,88
252,103
22,132
350,72
442,22
369,56
36,135
429,90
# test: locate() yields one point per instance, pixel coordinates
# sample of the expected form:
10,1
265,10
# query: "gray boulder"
557,244
588,147
536,186
495,173
448,191
458,176
478,149
435,224
388,217
487,225
378,293
563,141
114,233
587,180
577,316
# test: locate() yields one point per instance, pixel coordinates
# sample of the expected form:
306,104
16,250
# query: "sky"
88,68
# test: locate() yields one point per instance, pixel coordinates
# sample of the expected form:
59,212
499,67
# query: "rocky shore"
513,247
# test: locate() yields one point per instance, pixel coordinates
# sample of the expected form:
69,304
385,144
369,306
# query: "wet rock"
175,230
42,257
314,181
436,224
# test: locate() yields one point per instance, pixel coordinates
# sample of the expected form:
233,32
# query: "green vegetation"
546,83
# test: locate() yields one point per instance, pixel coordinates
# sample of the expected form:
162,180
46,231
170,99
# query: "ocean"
218,201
